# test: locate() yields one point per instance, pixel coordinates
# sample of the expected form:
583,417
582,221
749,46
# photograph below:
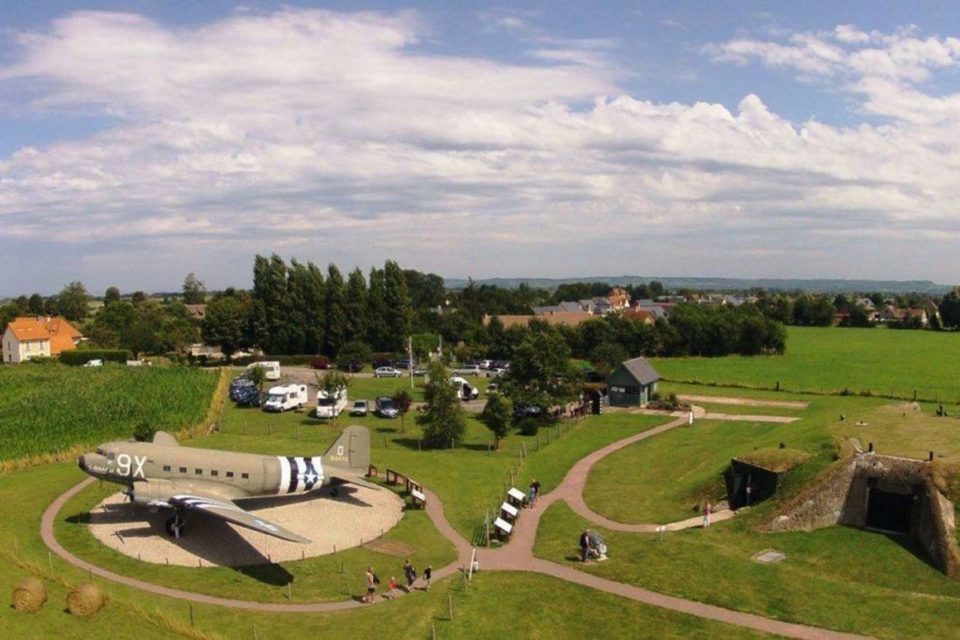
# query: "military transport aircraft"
186,479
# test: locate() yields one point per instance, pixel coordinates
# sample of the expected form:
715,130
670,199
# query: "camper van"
329,405
271,369
465,390
285,397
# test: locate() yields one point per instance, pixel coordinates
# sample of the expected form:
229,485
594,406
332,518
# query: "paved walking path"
745,402
518,555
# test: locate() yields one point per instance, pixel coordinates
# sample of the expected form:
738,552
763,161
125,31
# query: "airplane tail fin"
350,451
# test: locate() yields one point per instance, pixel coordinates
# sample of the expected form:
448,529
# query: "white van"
465,390
271,369
329,405
284,397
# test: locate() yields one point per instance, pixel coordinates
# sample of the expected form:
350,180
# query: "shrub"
80,357
529,426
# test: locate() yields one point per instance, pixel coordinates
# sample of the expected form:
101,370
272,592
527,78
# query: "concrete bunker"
882,493
754,477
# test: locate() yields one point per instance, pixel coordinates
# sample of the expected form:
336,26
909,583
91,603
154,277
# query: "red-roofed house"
33,337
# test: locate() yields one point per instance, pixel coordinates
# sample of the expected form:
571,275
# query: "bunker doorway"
888,511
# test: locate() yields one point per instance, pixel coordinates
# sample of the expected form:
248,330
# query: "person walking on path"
707,510
409,573
372,581
584,545
534,491
427,574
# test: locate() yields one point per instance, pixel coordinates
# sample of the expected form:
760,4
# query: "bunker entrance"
888,511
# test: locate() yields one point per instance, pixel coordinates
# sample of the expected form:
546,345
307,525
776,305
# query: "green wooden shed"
632,384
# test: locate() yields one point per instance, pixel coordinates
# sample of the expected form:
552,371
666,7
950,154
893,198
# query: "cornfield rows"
50,408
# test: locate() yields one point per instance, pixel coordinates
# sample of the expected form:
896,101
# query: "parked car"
467,370
465,390
387,372
360,408
495,372
386,408
521,411
321,362
239,385
250,398
419,373
405,364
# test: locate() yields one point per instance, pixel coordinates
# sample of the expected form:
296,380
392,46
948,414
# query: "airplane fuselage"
149,468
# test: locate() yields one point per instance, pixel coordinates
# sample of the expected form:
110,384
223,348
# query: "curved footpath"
516,556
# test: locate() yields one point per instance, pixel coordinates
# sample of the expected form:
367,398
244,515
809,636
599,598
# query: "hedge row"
83,356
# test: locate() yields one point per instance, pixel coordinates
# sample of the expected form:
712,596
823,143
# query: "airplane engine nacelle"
147,492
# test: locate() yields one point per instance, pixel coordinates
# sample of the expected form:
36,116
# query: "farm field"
881,361
53,408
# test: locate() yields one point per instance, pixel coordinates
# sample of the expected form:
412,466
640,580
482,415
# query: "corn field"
51,408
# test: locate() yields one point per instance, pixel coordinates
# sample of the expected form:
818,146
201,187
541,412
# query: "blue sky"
142,140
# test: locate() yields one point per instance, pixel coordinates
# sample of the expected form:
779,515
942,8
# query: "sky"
146,139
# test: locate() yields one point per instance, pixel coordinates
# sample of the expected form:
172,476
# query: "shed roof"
640,369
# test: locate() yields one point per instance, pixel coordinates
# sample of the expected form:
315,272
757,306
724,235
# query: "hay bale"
85,599
29,595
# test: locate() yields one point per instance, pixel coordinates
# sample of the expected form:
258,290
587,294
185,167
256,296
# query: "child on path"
707,510
394,589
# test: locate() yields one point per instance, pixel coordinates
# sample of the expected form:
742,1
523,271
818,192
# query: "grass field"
50,408
881,361
839,578
469,479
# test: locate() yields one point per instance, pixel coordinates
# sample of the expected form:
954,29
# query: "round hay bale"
85,599
29,595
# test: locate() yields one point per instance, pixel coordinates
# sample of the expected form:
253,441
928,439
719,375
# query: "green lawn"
885,362
839,578
320,579
469,479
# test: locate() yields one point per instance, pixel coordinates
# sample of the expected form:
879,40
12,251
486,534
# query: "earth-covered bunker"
887,493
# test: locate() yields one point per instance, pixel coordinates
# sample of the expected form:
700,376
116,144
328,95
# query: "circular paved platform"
356,516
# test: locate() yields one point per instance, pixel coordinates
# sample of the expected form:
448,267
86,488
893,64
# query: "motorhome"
329,405
271,369
285,397
465,390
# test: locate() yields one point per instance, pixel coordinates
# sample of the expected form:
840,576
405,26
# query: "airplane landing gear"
175,524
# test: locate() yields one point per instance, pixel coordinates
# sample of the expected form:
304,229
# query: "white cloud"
333,136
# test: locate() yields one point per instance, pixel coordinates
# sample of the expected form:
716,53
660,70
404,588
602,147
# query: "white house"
34,337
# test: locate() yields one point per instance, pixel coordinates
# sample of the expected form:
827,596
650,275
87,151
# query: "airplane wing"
232,513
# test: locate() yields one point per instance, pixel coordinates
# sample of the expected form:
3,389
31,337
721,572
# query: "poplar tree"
336,325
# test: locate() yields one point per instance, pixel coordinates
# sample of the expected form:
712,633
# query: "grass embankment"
839,578
662,479
52,408
828,360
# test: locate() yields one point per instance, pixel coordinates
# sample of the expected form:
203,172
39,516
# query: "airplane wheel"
174,530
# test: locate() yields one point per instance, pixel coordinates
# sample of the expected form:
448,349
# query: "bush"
80,357
529,426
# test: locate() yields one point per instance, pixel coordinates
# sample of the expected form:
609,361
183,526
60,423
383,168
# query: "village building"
34,337
632,384
568,318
